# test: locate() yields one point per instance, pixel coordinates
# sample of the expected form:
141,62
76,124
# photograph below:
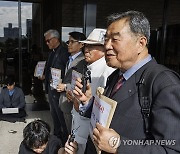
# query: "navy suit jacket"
164,117
18,99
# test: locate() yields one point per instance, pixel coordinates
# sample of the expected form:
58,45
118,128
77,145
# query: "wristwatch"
114,142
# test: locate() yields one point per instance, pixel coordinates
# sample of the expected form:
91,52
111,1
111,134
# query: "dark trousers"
90,148
60,129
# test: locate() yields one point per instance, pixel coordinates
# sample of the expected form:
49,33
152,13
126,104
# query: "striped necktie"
117,85
69,62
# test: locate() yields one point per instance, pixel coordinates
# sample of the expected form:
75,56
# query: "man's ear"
82,45
143,41
142,44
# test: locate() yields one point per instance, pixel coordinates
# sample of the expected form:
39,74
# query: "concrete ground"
9,142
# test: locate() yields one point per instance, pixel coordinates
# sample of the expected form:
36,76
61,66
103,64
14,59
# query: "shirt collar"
98,62
74,56
11,92
55,49
137,66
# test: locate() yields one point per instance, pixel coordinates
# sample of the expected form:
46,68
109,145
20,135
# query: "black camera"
71,139
86,75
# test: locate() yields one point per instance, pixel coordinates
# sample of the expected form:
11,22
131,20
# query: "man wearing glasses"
58,58
76,62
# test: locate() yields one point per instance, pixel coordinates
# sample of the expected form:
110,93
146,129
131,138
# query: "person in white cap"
94,56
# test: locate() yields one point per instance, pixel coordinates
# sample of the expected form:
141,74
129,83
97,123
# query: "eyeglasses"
71,41
48,40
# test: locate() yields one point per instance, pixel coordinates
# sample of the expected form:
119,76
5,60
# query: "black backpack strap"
145,86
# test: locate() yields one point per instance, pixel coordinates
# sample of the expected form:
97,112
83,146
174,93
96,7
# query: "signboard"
75,75
102,112
56,77
39,69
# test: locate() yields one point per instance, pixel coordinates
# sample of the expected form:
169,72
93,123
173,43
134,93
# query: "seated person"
38,140
12,97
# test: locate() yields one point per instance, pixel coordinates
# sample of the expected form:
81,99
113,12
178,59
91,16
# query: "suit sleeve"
165,120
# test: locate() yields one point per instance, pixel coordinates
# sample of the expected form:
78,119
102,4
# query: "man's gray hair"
53,33
138,23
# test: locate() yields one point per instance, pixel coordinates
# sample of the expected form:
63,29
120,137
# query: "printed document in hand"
39,69
75,75
102,111
56,77
10,110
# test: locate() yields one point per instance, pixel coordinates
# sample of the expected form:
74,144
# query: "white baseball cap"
95,37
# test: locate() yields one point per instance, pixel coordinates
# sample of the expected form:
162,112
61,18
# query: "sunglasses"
48,40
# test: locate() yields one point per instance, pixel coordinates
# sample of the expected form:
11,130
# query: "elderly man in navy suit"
155,129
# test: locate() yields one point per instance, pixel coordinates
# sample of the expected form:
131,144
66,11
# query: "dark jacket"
59,61
17,101
53,146
164,117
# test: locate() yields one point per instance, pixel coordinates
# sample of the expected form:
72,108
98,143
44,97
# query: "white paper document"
10,110
39,70
56,77
82,123
75,75
100,113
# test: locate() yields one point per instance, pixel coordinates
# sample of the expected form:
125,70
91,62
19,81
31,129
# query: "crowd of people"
116,59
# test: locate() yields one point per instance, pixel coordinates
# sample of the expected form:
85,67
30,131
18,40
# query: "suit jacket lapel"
130,86
110,83
75,61
127,89
14,94
7,94
56,54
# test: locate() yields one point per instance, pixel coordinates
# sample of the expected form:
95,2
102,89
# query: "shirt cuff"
84,108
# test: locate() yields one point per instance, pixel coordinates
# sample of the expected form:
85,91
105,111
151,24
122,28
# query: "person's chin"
109,64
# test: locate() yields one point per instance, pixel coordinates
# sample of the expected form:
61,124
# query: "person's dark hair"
53,33
10,80
36,134
77,36
138,23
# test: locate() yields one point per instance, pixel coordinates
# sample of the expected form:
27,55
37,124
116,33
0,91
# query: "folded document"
10,110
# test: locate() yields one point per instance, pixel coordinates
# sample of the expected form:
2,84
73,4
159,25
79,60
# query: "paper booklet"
102,112
39,69
56,77
75,75
10,110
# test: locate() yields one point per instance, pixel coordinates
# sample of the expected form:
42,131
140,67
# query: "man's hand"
41,77
104,137
83,97
69,95
71,98
71,148
61,87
